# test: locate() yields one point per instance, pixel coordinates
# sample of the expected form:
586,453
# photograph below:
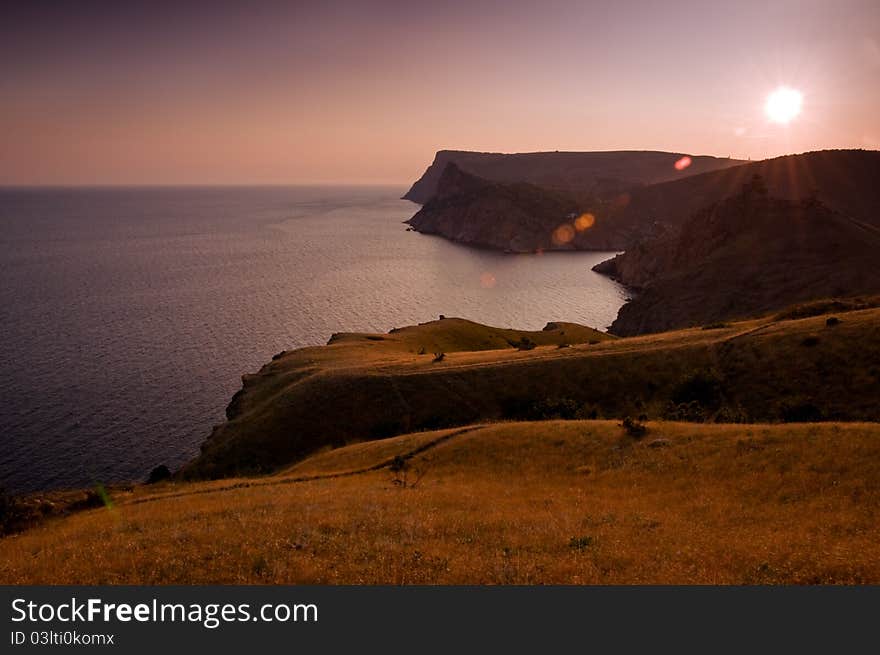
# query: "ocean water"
128,315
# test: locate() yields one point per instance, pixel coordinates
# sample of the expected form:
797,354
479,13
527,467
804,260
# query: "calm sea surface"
128,315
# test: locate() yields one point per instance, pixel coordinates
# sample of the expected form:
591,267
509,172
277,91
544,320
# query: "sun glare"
783,105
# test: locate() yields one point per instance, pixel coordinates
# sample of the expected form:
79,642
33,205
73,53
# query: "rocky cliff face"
589,173
517,217
745,256
520,216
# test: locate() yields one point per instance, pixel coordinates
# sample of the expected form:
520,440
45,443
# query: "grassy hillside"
543,502
363,387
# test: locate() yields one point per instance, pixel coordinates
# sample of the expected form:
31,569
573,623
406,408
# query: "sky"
95,92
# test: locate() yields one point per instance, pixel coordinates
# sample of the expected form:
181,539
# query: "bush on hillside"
633,427
159,474
523,344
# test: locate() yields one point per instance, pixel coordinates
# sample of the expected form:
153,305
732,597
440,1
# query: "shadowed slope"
746,256
579,172
360,386
374,386
523,217
517,217
843,180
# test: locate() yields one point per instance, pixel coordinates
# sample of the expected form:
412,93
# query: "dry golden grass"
551,502
364,387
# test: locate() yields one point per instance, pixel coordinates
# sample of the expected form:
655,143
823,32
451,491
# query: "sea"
128,315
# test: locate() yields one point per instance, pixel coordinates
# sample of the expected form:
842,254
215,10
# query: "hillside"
557,502
471,207
842,180
595,173
518,217
745,256
363,387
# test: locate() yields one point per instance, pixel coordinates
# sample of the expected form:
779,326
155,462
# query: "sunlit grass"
550,502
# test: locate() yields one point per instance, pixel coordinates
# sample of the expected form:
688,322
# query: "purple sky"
365,92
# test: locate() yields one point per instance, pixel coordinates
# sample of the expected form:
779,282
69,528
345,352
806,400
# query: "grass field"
537,502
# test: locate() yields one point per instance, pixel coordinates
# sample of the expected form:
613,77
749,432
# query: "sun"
783,105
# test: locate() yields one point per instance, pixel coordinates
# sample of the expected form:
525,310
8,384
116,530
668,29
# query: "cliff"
745,256
591,173
525,216
843,180
517,217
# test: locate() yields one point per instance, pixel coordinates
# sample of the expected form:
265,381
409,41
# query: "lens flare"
563,234
584,222
682,163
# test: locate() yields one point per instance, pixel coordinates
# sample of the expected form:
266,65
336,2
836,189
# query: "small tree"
401,469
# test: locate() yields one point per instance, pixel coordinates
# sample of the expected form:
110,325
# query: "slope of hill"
580,172
564,502
843,180
471,208
360,386
745,256
518,217
363,387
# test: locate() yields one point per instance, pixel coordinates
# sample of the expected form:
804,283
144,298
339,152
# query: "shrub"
159,474
732,415
580,543
692,412
90,499
589,411
553,408
11,512
523,344
716,326
633,427
831,321
422,351
439,357
401,468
